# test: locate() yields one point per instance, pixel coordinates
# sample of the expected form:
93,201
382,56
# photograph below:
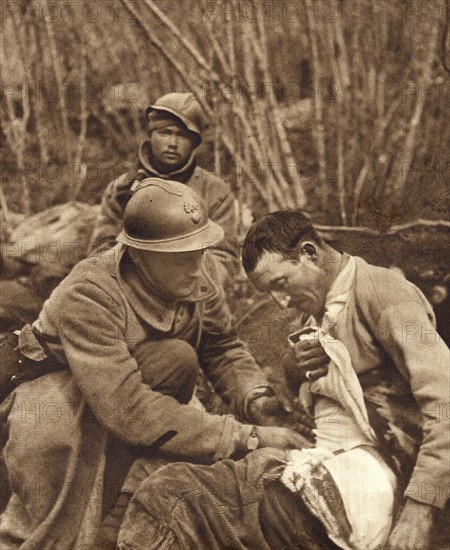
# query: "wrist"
245,433
251,399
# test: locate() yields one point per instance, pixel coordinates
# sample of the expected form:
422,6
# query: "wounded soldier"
372,372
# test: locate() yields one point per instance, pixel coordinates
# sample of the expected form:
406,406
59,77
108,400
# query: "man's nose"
173,141
281,298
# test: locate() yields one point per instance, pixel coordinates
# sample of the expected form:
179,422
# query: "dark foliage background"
339,106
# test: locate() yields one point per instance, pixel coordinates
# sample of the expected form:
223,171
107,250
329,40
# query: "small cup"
306,333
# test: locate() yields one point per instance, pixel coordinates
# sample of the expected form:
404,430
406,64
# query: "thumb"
285,403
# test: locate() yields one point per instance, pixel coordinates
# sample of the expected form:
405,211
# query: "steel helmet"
167,216
185,107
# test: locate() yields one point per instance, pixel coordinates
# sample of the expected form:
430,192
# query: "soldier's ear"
310,250
134,255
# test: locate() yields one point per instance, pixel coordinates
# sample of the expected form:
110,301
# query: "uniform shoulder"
92,277
209,179
380,288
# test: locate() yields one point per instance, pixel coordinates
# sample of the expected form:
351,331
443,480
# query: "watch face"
252,443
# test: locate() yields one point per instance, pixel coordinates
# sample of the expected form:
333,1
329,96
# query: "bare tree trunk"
57,67
16,130
319,128
399,179
79,172
340,78
156,43
291,166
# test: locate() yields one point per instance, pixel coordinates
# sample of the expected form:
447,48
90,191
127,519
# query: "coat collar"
153,309
339,291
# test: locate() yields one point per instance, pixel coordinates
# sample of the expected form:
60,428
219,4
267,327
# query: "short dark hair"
278,232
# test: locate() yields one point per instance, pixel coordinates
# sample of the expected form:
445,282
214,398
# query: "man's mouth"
282,301
295,303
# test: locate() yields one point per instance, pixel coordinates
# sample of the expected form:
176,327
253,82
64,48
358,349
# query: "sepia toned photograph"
225,275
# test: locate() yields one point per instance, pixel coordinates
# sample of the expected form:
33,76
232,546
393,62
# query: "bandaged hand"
308,361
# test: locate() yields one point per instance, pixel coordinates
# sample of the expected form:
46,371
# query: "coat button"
203,288
160,317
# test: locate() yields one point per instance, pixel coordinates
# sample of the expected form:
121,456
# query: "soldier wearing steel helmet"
130,327
176,122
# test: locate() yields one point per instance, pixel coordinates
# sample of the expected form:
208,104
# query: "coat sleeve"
406,331
221,209
108,223
108,377
225,358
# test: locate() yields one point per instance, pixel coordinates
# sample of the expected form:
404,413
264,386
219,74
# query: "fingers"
295,370
296,441
307,433
303,419
313,364
305,345
286,405
308,354
313,375
296,374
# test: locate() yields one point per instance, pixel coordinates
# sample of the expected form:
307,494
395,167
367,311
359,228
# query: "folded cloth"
341,384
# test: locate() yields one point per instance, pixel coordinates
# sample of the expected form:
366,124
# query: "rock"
56,236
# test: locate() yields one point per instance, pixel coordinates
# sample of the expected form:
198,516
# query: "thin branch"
79,173
231,73
241,162
358,189
399,178
38,104
283,141
341,174
16,130
175,31
220,54
444,45
340,91
157,44
5,209
59,79
319,128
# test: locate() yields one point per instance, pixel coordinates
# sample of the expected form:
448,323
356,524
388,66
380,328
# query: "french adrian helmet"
185,107
167,216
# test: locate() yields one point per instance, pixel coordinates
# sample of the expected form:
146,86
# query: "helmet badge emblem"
191,207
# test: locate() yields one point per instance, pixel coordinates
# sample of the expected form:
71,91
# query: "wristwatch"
253,440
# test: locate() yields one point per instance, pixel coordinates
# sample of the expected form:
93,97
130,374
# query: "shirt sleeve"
91,329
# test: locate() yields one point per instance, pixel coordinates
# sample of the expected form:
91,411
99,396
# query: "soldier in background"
176,122
175,126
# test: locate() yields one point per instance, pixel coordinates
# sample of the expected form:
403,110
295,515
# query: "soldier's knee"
169,366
